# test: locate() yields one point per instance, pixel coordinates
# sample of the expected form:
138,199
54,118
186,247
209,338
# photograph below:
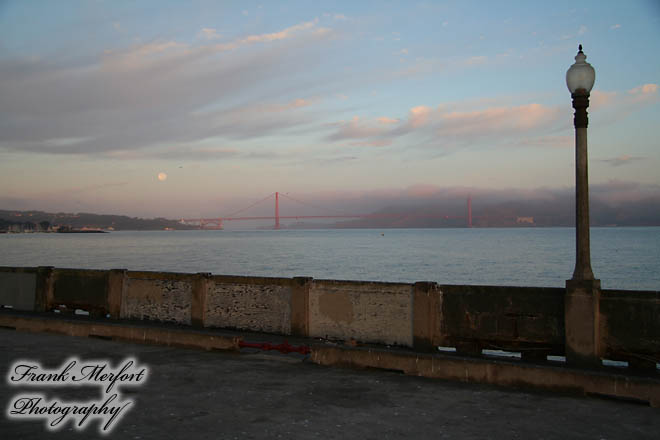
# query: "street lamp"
580,79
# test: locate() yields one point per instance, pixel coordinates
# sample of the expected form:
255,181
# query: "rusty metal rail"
285,347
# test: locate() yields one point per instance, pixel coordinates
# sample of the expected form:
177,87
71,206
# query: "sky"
199,108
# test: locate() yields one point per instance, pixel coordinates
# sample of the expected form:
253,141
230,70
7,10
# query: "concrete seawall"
530,323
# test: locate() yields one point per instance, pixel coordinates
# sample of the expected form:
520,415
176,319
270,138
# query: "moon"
162,176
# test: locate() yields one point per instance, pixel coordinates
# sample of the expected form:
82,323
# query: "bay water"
622,258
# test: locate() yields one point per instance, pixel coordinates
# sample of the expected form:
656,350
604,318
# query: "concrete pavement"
224,395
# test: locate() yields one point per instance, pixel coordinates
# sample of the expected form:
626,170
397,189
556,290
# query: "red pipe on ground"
282,348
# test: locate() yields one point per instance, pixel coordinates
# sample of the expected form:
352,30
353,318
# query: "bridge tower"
469,213
277,210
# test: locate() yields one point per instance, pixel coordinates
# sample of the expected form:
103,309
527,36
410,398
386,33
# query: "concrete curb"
448,367
495,372
122,331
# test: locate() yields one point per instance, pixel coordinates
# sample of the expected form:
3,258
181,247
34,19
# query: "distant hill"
559,211
86,220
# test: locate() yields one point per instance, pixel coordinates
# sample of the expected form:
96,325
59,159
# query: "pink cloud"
547,141
356,128
144,55
613,106
498,120
637,95
599,99
386,120
443,124
522,125
281,35
419,116
209,34
644,93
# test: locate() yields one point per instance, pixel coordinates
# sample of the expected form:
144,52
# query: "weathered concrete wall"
364,311
630,327
250,303
625,324
80,289
526,319
17,287
157,296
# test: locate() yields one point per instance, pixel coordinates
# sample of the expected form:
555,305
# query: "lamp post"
582,299
580,79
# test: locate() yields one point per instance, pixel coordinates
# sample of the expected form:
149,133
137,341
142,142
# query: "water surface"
626,258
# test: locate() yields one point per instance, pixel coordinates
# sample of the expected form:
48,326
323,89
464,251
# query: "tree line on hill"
39,221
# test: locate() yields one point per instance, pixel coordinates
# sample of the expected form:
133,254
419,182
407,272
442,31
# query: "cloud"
445,126
373,143
386,120
157,94
547,141
476,60
615,26
178,153
142,56
419,116
456,125
331,160
498,119
621,160
599,99
420,66
558,199
613,106
644,92
618,191
581,31
209,34
637,95
281,35
355,129
425,66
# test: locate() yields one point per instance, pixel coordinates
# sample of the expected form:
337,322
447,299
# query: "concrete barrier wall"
18,287
525,319
157,296
423,315
80,289
364,311
250,303
630,326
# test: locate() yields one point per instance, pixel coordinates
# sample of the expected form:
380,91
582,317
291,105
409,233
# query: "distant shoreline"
91,231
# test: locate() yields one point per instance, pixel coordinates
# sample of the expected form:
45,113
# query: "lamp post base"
582,322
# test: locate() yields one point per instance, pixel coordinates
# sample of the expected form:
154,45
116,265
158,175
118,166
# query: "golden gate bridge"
218,222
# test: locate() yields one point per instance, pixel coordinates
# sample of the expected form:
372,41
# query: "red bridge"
217,223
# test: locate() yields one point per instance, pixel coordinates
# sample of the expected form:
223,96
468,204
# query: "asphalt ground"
194,394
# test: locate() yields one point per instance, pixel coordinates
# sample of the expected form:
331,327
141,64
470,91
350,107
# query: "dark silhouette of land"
39,221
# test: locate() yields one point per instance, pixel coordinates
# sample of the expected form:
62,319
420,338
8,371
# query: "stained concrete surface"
219,395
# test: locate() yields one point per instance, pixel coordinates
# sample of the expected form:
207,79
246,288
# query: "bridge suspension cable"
252,205
312,205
